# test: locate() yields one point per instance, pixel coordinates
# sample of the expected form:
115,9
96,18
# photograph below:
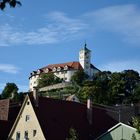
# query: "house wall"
28,125
121,133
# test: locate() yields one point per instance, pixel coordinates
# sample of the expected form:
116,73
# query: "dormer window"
46,70
59,68
54,69
66,67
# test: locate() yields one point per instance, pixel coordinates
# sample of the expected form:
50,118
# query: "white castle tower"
85,59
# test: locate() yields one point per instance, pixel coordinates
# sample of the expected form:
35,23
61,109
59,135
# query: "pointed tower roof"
85,48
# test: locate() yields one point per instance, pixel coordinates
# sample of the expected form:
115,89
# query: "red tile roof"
4,109
8,113
72,65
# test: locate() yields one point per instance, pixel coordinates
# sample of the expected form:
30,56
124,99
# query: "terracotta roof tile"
72,65
4,109
8,117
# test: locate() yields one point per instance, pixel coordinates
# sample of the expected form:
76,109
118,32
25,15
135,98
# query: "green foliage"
72,134
109,88
136,95
48,79
10,90
11,3
133,137
136,123
79,77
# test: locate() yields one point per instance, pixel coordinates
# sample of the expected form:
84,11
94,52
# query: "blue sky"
53,31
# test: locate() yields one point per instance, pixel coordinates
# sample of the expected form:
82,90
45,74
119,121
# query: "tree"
136,95
131,78
10,91
79,77
11,3
48,79
72,134
136,123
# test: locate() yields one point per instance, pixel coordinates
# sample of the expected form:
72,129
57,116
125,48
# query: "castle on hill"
66,70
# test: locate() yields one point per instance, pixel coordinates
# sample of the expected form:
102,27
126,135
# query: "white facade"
85,60
33,82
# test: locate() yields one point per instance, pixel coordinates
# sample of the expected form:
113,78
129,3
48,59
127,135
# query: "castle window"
18,136
34,133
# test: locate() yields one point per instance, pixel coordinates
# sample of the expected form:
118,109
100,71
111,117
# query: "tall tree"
10,91
79,77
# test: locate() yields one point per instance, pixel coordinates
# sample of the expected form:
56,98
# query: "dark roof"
8,113
57,116
93,67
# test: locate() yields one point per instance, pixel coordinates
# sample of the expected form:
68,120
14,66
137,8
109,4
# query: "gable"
27,122
119,131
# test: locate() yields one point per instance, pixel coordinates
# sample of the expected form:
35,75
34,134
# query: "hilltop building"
66,70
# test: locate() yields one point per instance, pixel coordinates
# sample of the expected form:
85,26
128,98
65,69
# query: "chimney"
89,110
35,95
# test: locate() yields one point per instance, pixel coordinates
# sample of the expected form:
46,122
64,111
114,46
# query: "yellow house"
26,125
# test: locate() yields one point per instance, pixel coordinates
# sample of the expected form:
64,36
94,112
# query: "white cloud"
8,68
122,19
59,27
118,66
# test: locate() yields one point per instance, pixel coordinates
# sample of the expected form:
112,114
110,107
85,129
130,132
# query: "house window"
28,103
27,118
26,135
18,136
34,133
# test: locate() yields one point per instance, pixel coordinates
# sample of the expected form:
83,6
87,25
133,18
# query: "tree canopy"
79,77
47,79
111,88
10,91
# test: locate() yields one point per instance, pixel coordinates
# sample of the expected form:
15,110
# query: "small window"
26,135
27,118
28,103
18,136
34,133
